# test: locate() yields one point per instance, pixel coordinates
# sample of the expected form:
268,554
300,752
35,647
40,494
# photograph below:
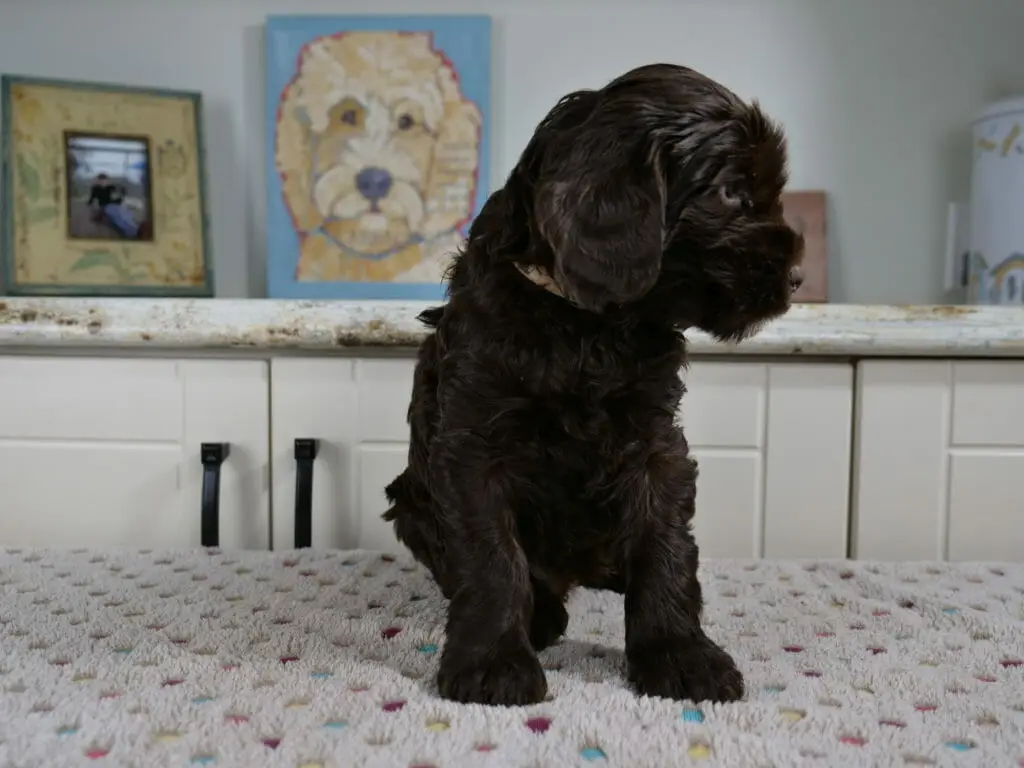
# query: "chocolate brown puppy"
545,452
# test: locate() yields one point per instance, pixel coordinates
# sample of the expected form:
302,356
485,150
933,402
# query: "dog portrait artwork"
378,151
546,451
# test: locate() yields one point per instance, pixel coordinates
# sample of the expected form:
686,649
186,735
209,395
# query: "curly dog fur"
545,451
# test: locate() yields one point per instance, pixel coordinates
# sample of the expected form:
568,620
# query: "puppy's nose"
373,183
796,278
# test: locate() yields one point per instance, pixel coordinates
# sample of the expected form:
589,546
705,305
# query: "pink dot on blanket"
393,706
538,724
390,632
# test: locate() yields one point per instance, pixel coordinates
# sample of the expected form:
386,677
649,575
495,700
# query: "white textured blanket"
327,659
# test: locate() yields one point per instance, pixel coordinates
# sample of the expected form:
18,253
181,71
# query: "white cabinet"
939,470
356,409
773,442
101,452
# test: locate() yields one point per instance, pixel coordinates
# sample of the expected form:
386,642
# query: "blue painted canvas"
377,151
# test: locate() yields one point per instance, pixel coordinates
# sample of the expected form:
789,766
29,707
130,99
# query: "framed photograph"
806,211
103,191
377,151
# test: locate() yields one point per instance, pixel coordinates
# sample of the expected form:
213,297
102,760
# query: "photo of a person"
109,199
108,188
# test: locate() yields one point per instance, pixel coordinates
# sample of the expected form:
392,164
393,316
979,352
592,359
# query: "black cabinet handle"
306,449
212,456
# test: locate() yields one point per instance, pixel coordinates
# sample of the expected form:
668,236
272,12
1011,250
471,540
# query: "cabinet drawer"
724,405
988,406
385,389
83,398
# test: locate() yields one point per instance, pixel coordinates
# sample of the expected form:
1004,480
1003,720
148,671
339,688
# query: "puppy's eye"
734,198
405,122
349,117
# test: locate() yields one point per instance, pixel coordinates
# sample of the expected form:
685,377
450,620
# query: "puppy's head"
661,191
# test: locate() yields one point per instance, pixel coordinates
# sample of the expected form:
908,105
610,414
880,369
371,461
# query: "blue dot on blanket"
959,746
428,648
692,716
593,753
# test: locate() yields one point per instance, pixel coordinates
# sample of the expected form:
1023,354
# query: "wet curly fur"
545,452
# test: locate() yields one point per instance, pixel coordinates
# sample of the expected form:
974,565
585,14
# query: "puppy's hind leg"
417,527
488,657
550,619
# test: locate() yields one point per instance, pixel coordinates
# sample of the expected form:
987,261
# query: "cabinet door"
356,409
106,451
773,443
939,461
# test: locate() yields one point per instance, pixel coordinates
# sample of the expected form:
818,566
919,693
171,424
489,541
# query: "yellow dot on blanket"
792,715
167,737
699,751
311,764
437,726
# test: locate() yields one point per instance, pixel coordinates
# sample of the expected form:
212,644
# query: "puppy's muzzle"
796,278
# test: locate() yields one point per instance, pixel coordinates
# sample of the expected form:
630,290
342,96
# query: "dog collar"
541,278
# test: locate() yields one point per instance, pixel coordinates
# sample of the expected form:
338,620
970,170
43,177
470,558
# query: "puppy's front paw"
689,668
508,678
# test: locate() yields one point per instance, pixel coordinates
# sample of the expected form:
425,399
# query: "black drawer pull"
306,449
212,456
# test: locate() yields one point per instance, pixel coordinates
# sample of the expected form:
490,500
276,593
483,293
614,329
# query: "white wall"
877,95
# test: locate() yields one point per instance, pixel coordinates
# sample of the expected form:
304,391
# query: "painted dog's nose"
373,183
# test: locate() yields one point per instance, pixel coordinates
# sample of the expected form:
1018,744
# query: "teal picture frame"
9,283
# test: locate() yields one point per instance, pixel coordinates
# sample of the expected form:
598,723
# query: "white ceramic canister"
996,267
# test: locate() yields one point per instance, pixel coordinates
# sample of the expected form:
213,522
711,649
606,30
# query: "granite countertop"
268,325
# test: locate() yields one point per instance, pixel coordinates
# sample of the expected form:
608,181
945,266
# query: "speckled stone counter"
268,325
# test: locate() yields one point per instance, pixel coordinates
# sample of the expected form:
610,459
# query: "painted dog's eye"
405,122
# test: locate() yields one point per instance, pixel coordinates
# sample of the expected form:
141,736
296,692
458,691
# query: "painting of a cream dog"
378,158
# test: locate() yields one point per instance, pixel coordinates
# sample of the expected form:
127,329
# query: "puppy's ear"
603,215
